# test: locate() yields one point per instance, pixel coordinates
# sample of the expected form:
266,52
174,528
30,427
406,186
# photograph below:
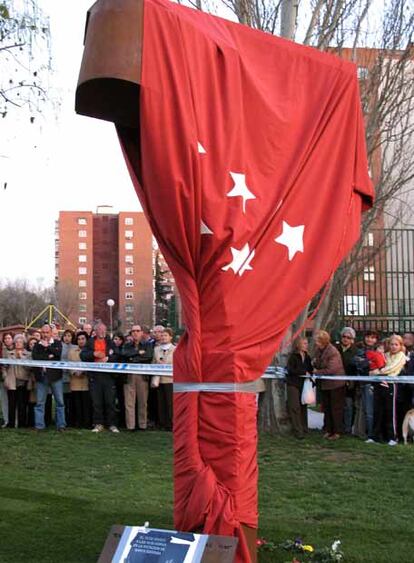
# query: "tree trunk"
289,14
273,416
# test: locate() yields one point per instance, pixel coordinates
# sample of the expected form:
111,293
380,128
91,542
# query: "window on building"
82,308
129,308
82,295
82,234
129,283
129,221
372,304
129,246
129,234
82,271
369,239
82,283
129,271
82,246
81,221
82,320
129,295
355,305
362,72
82,257
129,259
369,273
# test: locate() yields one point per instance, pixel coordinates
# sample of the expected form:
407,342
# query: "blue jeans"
39,410
368,403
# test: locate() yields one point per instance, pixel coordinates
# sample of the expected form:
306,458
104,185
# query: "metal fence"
381,297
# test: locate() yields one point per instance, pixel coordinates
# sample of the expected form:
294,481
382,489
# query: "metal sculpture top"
110,73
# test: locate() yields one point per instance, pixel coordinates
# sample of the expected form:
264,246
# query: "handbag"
308,393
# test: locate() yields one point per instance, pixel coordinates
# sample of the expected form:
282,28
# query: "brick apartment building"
101,256
382,296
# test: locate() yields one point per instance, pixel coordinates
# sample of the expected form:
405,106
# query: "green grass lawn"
60,493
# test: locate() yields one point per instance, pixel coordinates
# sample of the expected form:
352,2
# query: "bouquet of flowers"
305,552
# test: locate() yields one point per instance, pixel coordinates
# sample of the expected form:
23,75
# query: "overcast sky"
62,162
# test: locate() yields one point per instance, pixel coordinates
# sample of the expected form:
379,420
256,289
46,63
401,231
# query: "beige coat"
78,379
394,363
162,357
13,373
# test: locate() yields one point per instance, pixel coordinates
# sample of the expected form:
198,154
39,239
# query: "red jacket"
376,359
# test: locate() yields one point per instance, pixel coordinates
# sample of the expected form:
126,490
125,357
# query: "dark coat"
51,353
329,362
141,353
296,367
348,358
87,353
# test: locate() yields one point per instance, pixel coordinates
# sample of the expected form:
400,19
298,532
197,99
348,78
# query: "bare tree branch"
24,42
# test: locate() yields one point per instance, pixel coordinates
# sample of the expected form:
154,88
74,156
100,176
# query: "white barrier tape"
166,371
250,387
367,378
141,369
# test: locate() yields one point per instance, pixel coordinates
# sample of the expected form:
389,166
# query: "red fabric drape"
250,165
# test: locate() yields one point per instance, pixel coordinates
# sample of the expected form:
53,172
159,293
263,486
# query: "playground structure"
50,313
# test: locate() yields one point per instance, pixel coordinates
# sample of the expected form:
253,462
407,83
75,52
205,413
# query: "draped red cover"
251,167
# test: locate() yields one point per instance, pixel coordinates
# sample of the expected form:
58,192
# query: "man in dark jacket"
136,390
48,349
100,348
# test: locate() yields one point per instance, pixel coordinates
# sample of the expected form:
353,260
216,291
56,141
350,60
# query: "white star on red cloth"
240,260
204,230
292,238
200,148
240,188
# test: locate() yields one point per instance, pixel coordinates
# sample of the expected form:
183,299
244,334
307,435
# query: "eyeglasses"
347,337
136,330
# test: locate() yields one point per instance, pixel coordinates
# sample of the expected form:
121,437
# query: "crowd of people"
86,399
373,411
97,400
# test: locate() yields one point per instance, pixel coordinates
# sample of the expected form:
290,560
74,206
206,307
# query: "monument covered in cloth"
247,153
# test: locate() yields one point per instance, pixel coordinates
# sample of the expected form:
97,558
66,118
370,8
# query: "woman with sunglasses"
348,351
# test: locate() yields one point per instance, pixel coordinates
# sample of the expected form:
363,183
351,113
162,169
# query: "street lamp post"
110,304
